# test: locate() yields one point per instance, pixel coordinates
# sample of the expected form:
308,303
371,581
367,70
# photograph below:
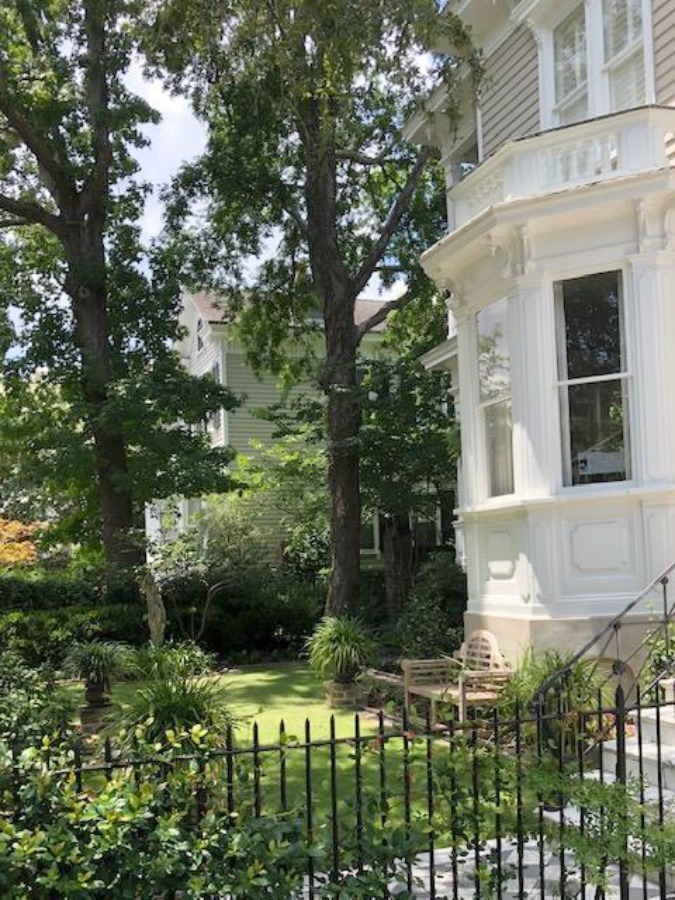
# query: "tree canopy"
305,104
98,415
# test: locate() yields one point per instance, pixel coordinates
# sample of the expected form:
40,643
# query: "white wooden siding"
510,102
663,24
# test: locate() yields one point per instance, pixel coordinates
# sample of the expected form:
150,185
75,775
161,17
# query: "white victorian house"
559,263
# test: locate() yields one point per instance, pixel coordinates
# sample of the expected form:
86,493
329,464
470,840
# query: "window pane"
499,450
575,111
627,82
590,309
597,432
494,376
569,42
622,21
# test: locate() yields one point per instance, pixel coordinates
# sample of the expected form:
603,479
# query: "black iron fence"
521,802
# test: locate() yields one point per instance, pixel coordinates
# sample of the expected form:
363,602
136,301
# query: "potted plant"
338,650
98,664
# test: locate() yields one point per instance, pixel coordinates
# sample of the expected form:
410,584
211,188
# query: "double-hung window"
624,52
571,68
598,59
593,379
494,384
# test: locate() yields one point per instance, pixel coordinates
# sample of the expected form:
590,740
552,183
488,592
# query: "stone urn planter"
98,664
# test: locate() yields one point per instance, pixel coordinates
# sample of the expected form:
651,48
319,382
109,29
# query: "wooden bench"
474,677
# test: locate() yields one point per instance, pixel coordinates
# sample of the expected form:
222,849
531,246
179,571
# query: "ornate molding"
515,249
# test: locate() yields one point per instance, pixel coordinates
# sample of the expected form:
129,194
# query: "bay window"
494,384
593,379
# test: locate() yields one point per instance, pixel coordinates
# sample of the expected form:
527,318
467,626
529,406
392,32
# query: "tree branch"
392,221
382,314
297,218
363,158
57,183
29,213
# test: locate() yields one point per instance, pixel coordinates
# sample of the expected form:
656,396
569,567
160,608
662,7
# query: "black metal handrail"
610,632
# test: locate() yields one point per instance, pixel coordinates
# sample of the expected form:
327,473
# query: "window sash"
586,401
622,26
570,55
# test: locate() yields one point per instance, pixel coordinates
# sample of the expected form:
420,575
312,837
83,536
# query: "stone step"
666,725
650,761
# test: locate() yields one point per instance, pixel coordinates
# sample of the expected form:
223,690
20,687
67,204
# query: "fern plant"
339,648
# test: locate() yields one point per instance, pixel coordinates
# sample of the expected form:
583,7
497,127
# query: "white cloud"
178,138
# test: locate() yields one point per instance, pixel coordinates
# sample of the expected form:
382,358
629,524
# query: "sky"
178,138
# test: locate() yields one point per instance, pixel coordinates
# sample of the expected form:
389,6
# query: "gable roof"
214,313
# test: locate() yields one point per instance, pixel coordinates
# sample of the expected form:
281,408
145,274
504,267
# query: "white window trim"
625,376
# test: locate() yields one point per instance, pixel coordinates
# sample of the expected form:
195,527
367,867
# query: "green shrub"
36,590
442,581
426,630
339,648
267,615
175,704
307,550
31,707
184,659
45,637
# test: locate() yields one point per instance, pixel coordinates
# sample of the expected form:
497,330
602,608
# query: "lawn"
266,695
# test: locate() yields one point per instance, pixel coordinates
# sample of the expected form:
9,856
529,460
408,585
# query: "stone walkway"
466,889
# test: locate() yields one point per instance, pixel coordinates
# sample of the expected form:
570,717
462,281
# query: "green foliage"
307,550
440,580
45,637
172,702
94,386
426,630
185,659
34,590
339,648
32,707
142,840
99,663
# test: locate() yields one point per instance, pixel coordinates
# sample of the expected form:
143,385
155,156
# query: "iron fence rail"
517,806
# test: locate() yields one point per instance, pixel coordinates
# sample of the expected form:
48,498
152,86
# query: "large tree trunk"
86,285
337,294
397,549
344,416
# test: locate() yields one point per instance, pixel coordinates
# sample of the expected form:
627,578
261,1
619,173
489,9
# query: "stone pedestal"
343,696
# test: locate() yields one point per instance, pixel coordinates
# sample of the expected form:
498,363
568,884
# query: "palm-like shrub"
339,648
176,704
99,663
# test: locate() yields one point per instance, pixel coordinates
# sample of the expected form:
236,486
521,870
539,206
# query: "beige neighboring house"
209,347
559,265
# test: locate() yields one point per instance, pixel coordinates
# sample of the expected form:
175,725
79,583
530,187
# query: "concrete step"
666,725
650,761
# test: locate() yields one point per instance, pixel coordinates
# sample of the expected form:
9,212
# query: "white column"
650,337
473,451
536,425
